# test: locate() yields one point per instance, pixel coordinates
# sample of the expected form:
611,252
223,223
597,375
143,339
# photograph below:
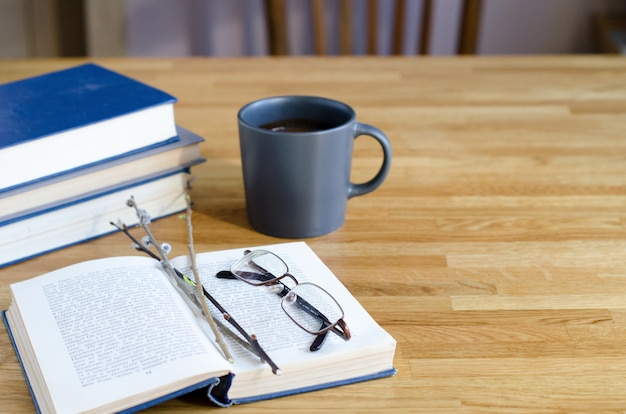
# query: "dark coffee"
297,125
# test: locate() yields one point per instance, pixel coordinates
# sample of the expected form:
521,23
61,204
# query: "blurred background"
41,28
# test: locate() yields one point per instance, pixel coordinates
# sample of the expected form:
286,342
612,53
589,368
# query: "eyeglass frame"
340,327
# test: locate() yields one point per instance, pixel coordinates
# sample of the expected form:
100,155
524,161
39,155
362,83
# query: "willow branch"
194,268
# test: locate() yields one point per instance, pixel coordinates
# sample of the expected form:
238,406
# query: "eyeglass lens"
312,308
258,267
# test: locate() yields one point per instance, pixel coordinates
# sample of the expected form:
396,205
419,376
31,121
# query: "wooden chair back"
279,39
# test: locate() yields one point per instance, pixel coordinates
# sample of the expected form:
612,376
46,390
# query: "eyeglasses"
308,305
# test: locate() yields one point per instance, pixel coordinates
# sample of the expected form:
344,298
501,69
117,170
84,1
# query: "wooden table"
495,252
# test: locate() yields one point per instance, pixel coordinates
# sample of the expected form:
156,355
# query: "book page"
259,311
108,329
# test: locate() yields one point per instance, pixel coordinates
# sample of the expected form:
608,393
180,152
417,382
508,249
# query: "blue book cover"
65,120
43,105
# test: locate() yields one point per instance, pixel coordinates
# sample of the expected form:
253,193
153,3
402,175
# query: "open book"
114,334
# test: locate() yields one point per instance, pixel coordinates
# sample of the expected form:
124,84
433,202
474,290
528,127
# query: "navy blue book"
46,194
88,217
92,339
77,117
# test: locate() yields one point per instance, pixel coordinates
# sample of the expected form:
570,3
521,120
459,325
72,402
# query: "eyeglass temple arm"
321,338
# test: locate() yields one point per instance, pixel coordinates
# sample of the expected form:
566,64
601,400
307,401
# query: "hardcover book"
75,117
115,334
103,177
89,217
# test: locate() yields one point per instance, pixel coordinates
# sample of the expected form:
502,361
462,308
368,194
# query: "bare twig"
186,285
194,268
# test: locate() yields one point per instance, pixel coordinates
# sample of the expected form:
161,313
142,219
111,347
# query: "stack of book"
74,146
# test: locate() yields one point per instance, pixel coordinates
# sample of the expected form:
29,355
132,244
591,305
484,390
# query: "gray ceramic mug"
296,154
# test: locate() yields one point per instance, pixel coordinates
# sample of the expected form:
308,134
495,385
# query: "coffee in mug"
297,125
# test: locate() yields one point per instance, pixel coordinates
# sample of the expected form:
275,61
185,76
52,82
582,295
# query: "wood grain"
494,252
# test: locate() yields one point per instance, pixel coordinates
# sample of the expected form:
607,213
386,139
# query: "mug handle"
369,186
